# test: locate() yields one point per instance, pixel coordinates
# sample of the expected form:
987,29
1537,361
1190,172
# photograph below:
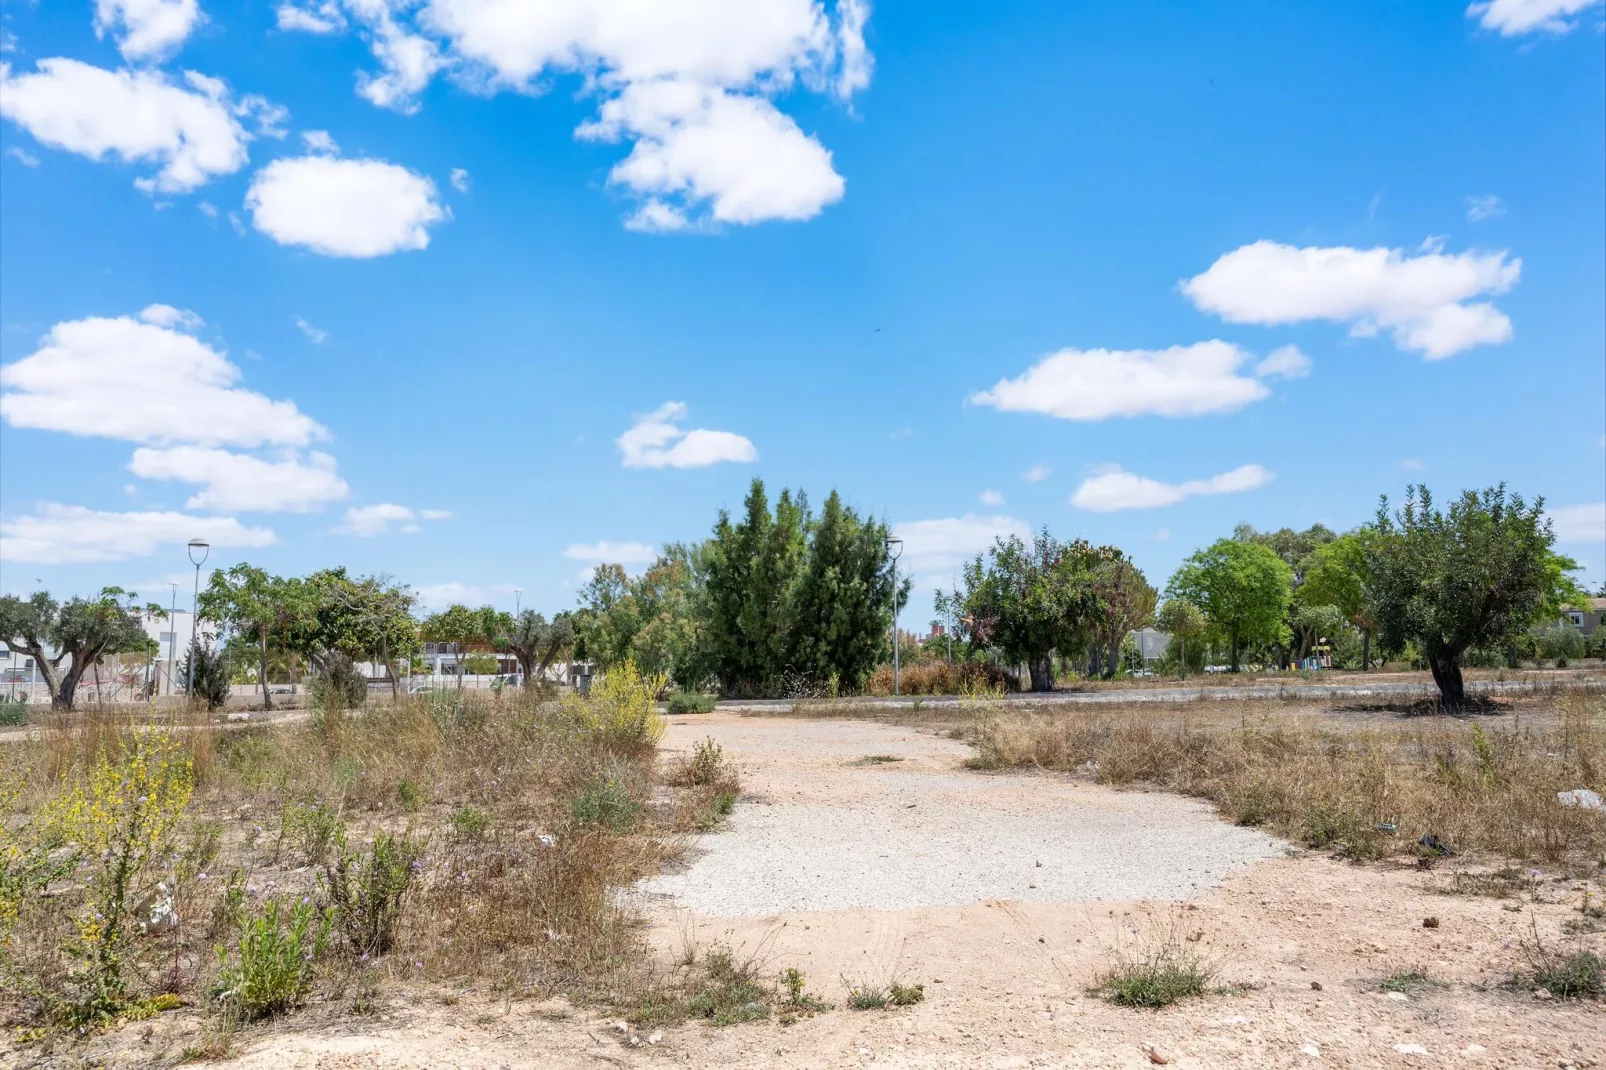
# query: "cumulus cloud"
934,548
353,208
1037,473
1284,363
613,553
1113,489
991,498
459,179
1579,523
191,131
735,153
1095,384
690,85
366,521
316,18
146,29
654,441
1510,18
55,534
144,381
1425,300
320,141
236,482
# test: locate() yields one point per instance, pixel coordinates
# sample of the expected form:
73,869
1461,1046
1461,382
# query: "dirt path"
808,874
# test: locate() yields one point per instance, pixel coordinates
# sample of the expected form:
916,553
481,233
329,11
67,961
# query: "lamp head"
894,546
201,547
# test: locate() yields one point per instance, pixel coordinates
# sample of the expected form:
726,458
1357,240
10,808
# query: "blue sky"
474,292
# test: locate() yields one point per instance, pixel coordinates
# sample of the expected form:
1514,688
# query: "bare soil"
1302,942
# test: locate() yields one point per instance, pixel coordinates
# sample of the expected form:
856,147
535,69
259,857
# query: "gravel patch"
919,834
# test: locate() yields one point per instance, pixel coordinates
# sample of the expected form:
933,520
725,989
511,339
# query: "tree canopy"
80,630
1243,587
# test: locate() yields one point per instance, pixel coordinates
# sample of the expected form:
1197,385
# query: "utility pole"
172,637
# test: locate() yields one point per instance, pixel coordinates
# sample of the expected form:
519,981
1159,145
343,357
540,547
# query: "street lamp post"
517,592
203,548
895,549
172,637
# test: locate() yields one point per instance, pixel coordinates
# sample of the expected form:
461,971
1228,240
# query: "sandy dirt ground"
1303,939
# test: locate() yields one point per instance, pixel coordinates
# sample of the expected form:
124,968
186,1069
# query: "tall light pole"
201,547
517,591
895,549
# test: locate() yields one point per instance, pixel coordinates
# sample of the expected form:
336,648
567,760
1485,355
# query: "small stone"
1542,993
656,1038
1157,1056
1312,1050
1410,1049
1315,986
1399,997
1430,923
623,1027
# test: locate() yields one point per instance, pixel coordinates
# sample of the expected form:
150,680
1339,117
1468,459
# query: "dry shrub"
942,678
1486,784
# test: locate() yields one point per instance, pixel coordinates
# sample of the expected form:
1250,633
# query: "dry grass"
942,678
516,885
1485,784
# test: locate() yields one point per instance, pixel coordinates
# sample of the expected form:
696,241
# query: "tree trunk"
1114,664
384,652
1041,668
1366,649
1447,674
67,686
1235,650
262,666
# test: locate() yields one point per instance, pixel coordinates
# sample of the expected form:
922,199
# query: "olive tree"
1474,575
80,630
536,642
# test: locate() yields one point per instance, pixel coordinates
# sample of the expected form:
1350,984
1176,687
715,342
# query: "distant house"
1585,619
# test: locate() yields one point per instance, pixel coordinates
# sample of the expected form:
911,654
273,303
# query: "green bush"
707,765
470,822
313,829
608,800
272,968
366,891
339,685
690,702
13,714
205,674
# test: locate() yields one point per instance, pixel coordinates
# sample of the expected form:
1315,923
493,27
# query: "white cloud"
1095,384
316,335
1579,523
689,83
192,133
735,153
320,18
23,156
441,595
434,514
320,141
1510,18
613,553
143,382
1113,488
355,208
1484,207
70,534
934,548
146,29
1422,300
1037,473
1412,464
654,441
1286,362
236,482
206,208
181,319
991,498
459,179
369,520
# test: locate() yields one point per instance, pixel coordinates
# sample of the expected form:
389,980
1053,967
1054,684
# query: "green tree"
1027,602
365,619
1126,603
80,630
841,604
1473,576
258,607
536,642
461,626
1336,575
751,567
1243,587
1184,622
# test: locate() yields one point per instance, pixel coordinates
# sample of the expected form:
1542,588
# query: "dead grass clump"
942,678
1367,788
713,786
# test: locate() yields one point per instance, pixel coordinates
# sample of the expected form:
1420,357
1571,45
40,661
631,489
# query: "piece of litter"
1582,798
1312,1050
1410,1049
1399,997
